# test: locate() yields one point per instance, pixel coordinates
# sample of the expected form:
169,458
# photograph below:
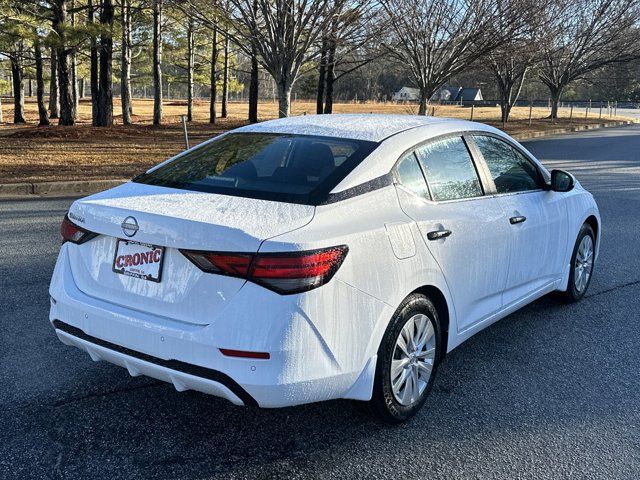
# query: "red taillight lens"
233,264
299,271
72,233
284,273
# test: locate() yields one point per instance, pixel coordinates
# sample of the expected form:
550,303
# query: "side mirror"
562,181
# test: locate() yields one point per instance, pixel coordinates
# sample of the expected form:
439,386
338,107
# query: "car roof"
370,127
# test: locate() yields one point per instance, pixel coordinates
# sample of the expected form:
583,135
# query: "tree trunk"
42,108
1,116
54,99
74,68
284,97
422,105
82,87
157,62
30,88
214,73
321,77
320,94
331,76
225,77
556,94
190,67
18,90
67,103
105,88
253,88
93,76
125,63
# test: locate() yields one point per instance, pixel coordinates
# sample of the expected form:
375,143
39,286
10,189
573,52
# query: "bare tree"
16,57
225,76
346,45
190,65
105,89
214,72
437,39
125,62
74,64
282,32
584,36
254,80
157,62
93,68
60,21
54,99
42,108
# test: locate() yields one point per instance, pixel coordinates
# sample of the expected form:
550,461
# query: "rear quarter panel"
386,262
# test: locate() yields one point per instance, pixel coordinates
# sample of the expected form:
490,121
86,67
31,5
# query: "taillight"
284,273
72,233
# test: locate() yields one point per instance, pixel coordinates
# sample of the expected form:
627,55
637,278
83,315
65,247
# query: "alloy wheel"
413,359
584,264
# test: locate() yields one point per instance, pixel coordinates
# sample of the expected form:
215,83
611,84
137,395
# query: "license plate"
139,260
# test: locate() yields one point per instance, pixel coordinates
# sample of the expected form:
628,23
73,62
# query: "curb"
577,128
93,186
58,188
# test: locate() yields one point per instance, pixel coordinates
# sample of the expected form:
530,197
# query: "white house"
406,94
444,94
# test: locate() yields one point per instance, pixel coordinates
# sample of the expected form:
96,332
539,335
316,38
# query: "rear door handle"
438,234
518,219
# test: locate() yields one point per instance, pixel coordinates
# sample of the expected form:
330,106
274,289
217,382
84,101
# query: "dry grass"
33,154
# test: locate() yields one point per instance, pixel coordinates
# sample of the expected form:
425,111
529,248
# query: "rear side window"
511,171
410,175
288,168
449,169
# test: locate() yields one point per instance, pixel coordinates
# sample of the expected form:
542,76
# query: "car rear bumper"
183,376
305,365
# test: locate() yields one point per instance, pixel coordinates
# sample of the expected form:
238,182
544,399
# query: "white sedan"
319,257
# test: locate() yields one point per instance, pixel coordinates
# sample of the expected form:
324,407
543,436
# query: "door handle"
518,219
438,234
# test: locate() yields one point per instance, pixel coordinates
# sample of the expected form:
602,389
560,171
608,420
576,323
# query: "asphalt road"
551,391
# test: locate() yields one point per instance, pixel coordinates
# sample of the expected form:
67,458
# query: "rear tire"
582,263
411,346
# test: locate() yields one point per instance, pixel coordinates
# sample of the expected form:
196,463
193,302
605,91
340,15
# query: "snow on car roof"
371,127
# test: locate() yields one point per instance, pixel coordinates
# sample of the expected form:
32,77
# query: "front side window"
280,167
449,169
511,171
410,175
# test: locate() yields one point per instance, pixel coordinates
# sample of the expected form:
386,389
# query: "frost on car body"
293,251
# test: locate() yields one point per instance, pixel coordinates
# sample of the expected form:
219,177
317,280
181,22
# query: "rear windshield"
287,168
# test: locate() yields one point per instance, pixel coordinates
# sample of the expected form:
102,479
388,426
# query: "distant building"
406,94
458,94
445,94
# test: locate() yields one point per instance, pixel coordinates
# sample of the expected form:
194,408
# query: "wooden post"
184,130
530,111
616,108
571,112
600,115
586,112
472,105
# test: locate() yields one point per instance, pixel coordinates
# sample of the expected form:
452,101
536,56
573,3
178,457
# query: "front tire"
408,358
582,261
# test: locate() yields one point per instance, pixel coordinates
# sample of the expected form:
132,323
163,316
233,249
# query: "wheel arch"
592,221
440,302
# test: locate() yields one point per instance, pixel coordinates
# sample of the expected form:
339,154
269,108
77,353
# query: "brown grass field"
29,153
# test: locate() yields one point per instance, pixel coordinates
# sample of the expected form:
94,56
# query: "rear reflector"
244,354
73,233
285,273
